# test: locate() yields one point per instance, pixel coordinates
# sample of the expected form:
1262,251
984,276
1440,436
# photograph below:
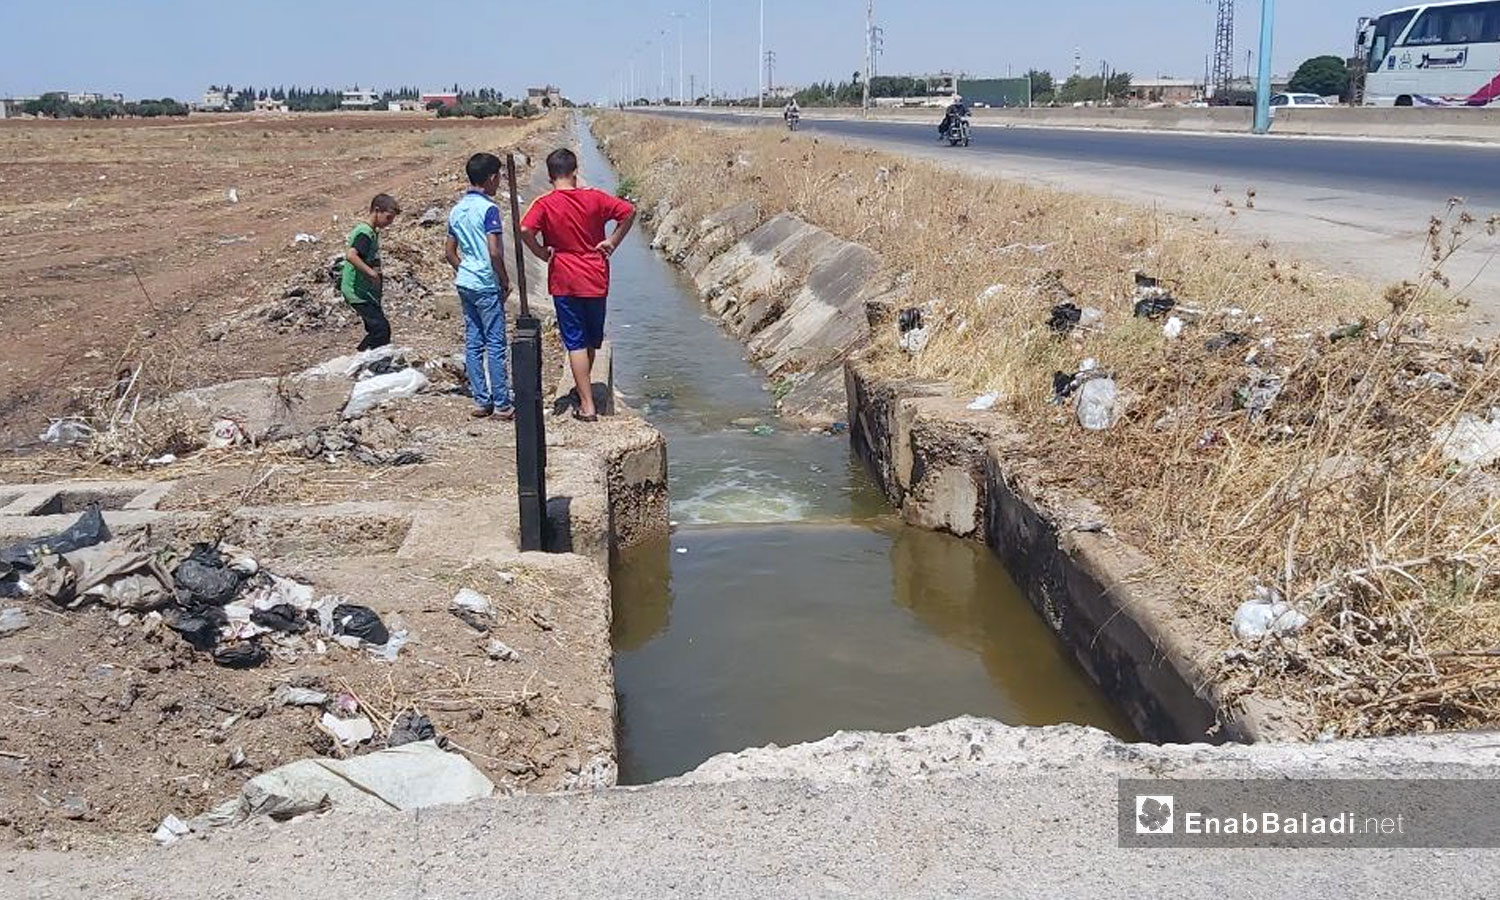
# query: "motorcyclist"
792,110
956,112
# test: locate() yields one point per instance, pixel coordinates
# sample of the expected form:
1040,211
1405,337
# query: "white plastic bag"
372,392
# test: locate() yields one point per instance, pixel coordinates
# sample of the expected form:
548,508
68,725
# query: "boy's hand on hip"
606,247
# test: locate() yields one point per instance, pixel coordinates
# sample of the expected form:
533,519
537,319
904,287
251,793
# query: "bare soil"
121,237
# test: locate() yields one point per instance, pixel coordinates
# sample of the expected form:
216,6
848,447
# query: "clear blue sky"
177,47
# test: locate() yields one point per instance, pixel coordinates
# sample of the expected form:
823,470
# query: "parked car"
1298,101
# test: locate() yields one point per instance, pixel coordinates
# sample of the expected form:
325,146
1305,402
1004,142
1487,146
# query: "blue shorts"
581,321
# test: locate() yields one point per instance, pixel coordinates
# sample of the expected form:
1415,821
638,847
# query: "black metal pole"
526,369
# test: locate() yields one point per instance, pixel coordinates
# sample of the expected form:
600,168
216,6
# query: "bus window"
1451,25
1387,30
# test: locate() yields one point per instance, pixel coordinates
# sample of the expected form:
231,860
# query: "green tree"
1043,86
1326,76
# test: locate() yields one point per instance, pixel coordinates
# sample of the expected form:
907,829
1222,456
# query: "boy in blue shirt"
477,255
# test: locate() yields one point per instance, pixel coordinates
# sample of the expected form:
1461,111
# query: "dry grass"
1337,497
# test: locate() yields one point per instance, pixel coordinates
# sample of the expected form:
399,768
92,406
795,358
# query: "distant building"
1170,91
446,98
271,106
358,99
403,105
215,100
548,97
92,97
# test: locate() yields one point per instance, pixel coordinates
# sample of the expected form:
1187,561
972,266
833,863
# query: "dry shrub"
1336,495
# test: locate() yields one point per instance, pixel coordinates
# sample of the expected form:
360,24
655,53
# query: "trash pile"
216,597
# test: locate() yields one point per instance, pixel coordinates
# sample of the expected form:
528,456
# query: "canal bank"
805,303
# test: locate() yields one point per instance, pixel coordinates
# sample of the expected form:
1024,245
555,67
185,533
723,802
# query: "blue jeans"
484,348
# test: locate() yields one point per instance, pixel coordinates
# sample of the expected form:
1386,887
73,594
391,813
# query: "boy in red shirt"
566,228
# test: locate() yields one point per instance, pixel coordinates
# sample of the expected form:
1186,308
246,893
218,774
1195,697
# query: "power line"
1223,71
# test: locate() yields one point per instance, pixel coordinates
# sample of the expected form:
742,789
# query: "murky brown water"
790,603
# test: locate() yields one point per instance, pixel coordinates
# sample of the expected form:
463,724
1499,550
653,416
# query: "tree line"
316,99
58,106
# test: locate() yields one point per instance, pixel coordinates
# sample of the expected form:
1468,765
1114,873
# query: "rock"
499,652
170,830
74,808
269,408
12,620
474,608
430,217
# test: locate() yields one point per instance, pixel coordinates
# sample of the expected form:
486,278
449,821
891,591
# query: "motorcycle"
791,120
959,133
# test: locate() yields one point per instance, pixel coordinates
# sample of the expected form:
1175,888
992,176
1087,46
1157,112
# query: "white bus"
1434,54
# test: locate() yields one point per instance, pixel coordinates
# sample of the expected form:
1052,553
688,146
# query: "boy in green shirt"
362,282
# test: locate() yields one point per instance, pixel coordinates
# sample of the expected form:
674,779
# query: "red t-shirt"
571,222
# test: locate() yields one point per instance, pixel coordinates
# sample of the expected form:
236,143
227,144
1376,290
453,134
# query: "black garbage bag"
1225,341
86,532
243,655
411,727
911,319
205,579
200,627
1154,307
360,622
1065,317
1062,386
282,617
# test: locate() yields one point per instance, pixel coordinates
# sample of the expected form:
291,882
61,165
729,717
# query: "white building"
216,100
358,99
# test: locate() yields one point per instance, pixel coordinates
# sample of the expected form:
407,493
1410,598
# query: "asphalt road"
1429,173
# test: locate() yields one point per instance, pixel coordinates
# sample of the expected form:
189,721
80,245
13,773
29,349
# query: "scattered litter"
74,807
432,216
474,608
226,433
1173,328
305,238
1098,400
236,759
170,829
359,622
985,402
284,618
12,620
1090,317
1152,301
372,392
681,549
1471,441
411,727
286,695
500,652
1259,394
763,430
1065,317
914,341
348,732
166,459
66,432
1266,614
1346,331
244,655
1225,341
201,629
1434,380
234,195
120,574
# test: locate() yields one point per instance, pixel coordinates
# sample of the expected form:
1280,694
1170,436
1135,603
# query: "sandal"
583,418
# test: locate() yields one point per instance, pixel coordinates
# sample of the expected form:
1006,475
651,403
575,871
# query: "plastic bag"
411,727
359,622
205,578
86,532
244,655
1096,404
372,392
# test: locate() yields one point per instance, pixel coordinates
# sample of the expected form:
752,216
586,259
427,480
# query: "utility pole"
1263,85
710,52
681,81
869,54
878,35
1223,73
1103,82
759,77
770,71
693,89
662,86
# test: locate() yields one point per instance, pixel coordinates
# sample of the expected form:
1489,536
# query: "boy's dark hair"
561,163
384,203
482,167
